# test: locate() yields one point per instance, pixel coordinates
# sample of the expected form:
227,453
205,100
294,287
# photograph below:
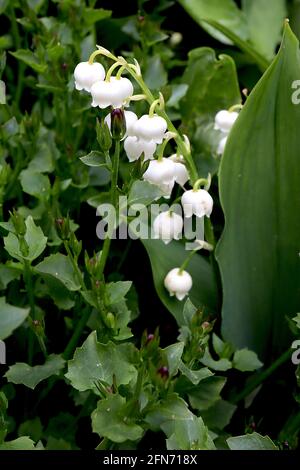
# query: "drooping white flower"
178,283
224,120
198,202
111,93
151,128
181,173
135,147
168,226
221,146
130,119
87,74
162,174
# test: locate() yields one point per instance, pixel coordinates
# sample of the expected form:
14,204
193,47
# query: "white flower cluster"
224,121
140,141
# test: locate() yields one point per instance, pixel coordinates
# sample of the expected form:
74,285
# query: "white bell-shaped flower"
168,226
87,74
221,146
135,147
224,120
111,93
151,128
162,174
130,119
181,173
198,202
178,283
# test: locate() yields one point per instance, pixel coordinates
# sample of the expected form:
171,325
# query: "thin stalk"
27,276
260,378
71,346
75,265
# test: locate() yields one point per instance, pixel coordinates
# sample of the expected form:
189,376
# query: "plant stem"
77,333
75,265
260,378
27,276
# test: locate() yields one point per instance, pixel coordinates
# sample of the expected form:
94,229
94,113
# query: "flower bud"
163,372
18,223
178,283
118,123
198,202
168,226
63,227
130,119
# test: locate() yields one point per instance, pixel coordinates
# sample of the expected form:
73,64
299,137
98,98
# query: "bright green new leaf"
60,267
166,257
110,419
11,317
252,441
94,362
21,373
259,190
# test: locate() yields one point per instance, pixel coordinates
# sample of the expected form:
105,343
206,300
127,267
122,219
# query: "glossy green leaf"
212,86
166,257
259,190
207,393
11,317
226,22
194,376
21,373
265,24
173,354
225,12
95,362
110,419
60,267
252,441
219,415
92,15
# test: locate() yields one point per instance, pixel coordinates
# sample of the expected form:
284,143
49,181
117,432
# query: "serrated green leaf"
30,59
11,317
116,291
222,364
246,360
21,443
190,435
21,373
252,441
60,267
143,192
219,415
194,376
95,362
94,158
34,237
34,183
92,15
173,354
110,419
207,393
258,252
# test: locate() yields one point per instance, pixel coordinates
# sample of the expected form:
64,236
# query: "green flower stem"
178,139
75,265
21,65
187,260
261,377
27,276
115,172
71,346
